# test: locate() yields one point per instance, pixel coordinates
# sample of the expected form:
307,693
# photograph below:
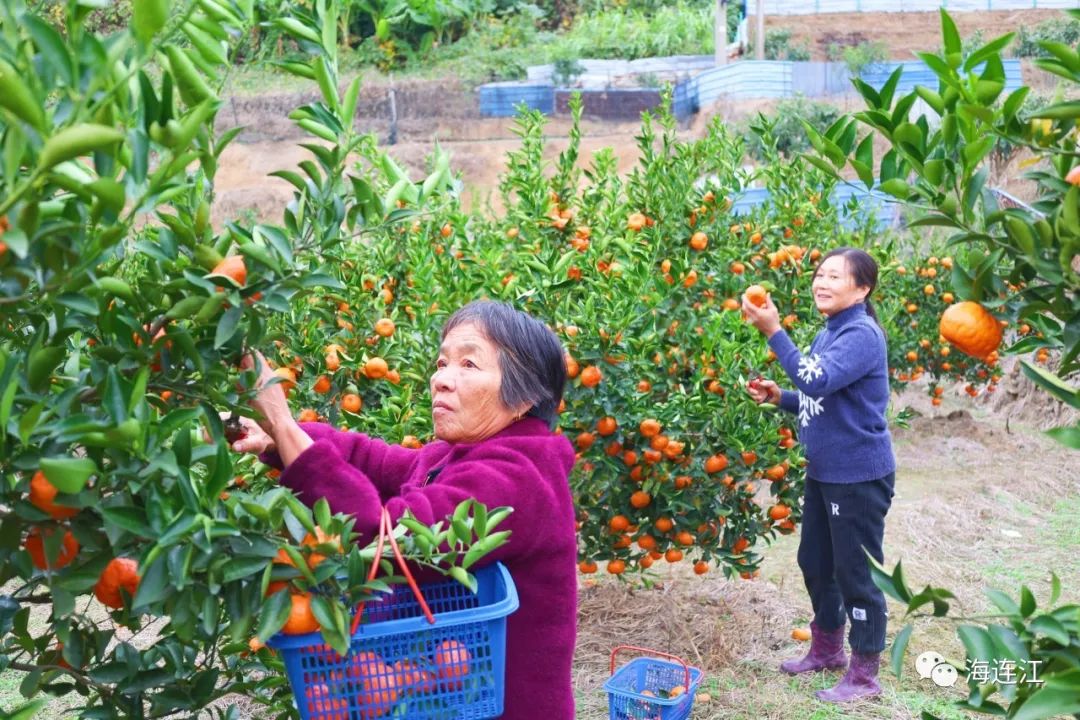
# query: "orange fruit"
572,367
351,402
640,499
716,463
971,328
649,427
322,385
776,472
288,379
1073,176
587,567
376,368
737,268
664,524
446,230
779,511
619,523
451,661
301,618
410,675
757,295
616,567
749,457
321,704
321,537
35,545
800,634
673,555
42,494
121,574
307,415
384,327
606,426
232,267
699,241
585,441
636,221
591,376
701,567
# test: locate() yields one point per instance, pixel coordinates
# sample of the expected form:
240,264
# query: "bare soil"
902,33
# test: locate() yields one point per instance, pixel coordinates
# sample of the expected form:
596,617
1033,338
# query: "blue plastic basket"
400,665
640,688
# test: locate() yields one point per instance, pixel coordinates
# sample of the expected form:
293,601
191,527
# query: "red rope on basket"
385,534
686,668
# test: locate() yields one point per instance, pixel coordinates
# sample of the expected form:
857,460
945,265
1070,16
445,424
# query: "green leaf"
1003,602
28,710
1050,627
69,475
1052,384
128,518
154,584
897,188
949,34
1027,601
1059,695
463,577
1059,111
242,567
991,48
977,641
227,326
40,366
1069,436
275,611
148,17
899,649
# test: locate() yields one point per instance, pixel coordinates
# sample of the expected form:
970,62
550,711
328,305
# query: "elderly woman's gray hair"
532,361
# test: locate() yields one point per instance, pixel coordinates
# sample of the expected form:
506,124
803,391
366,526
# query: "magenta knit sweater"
524,466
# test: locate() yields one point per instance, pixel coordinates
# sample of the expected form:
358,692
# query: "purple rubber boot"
826,652
860,680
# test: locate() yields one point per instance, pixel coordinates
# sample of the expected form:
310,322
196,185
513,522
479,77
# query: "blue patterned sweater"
840,398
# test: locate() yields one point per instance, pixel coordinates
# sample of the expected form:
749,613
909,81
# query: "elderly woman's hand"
253,439
269,401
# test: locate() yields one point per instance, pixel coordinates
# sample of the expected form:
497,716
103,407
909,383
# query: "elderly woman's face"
465,401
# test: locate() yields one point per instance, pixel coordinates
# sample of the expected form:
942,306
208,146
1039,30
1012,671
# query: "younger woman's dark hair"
864,271
531,358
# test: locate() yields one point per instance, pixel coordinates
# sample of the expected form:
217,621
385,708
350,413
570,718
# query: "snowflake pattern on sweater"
809,369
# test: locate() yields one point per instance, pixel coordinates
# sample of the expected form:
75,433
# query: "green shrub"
778,47
678,29
1061,30
859,57
784,126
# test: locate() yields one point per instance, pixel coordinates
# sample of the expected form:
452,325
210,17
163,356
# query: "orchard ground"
982,500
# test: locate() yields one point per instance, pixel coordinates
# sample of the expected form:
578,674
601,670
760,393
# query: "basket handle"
676,658
386,533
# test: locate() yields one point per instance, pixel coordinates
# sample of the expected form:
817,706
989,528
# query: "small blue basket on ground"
647,688
401,665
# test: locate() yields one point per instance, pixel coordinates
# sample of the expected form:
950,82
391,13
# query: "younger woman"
840,397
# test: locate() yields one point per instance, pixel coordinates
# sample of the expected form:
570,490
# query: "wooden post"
720,33
759,40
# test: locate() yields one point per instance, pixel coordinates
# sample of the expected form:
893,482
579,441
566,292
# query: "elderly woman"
495,391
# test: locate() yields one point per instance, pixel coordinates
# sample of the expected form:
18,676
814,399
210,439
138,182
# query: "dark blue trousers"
839,520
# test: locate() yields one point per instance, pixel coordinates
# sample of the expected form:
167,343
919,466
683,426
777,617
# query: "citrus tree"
135,566
640,276
1023,261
